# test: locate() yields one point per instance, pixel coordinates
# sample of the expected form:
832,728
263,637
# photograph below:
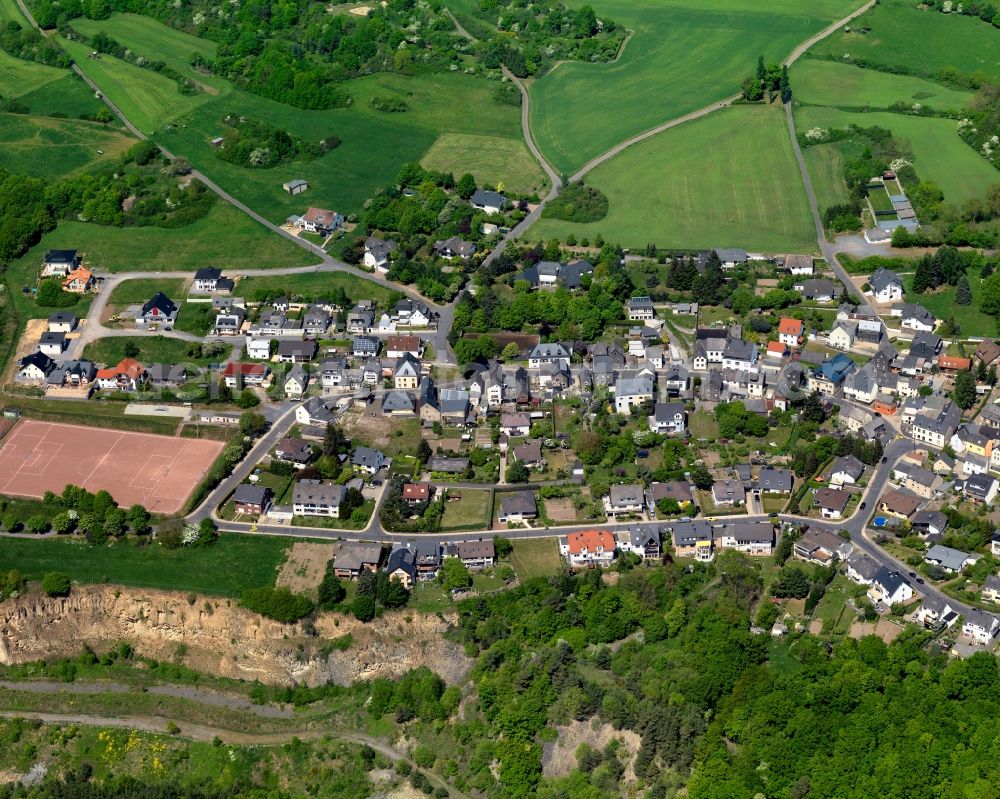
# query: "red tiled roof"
591,541
233,369
790,327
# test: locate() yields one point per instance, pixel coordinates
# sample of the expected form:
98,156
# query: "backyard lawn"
233,563
470,512
941,303
152,349
728,179
703,425
535,557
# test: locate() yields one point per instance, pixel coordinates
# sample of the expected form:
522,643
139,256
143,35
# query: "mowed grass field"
683,55
816,82
68,96
924,40
224,237
148,99
489,159
234,563
825,163
312,284
56,148
939,154
133,291
535,557
726,180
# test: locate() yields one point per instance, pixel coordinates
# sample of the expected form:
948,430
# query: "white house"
982,627
889,588
259,349
669,418
886,286
632,391
543,354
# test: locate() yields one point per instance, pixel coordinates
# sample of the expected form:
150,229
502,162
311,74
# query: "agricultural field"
489,159
224,237
233,563
20,77
57,148
816,82
148,99
939,155
729,179
903,34
681,56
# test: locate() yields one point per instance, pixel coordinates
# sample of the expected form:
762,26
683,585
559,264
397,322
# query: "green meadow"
816,82
905,35
681,56
56,148
726,180
939,154
18,77
67,96
490,159
224,237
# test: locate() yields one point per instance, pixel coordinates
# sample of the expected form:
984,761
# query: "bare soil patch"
559,756
304,567
560,510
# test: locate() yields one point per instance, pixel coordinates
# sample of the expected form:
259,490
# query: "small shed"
294,187
217,141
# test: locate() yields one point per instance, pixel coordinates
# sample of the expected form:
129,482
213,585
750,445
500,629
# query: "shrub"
279,604
390,105
578,203
56,584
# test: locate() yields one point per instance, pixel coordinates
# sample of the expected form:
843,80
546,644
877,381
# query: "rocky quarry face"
218,637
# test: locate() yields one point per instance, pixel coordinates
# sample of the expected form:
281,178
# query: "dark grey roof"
161,302
402,559
366,456
775,480
882,278
518,502
251,494
491,198
208,273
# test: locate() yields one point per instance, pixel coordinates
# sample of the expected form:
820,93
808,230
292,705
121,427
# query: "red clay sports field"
158,472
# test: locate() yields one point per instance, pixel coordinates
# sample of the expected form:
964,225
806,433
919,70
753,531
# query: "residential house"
675,381
729,493
630,392
749,537
799,264
296,382
988,351
731,257
237,375
229,322
490,202
640,309
158,309
625,500
817,290
925,345
353,558
544,354
59,263
530,454
980,626
367,460
886,286
454,247
914,317
791,331
889,588
639,540
677,490
829,376
862,568
416,492
320,221
62,322
399,403
365,346
127,375
991,589
206,279
316,498
52,344
397,346
296,451
822,547
515,424
165,374
73,374
402,566
669,418
79,281
360,320
413,314
378,252
314,413
297,351
899,504
35,367
832,502
843,334
252,500
951,560
934,611
259,348
517,506
316,322
693,538
474,554
929,523
406,372
588,548
922,482
775,481
453,405
846,470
